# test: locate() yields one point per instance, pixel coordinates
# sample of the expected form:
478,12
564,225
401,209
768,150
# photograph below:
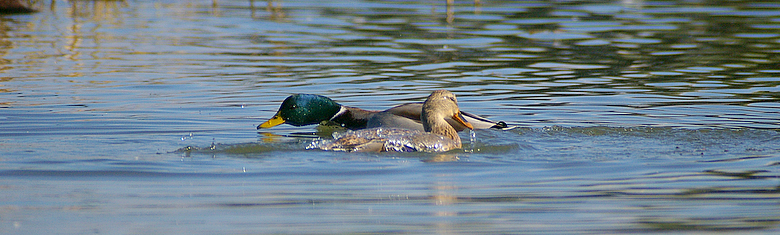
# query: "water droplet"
473,139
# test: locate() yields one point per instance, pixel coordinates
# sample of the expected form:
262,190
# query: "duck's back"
390,120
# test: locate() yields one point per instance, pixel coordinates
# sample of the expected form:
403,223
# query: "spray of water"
473,141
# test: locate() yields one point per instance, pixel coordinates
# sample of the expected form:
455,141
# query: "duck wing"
408,116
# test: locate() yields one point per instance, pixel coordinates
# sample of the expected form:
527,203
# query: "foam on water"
385,140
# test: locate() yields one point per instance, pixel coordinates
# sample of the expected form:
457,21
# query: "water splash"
385,140
472,141
187,137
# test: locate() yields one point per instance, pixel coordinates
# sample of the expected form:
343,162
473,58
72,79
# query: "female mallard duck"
439,135
308,109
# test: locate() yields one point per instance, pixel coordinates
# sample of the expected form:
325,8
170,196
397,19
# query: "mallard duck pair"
309,109
431,126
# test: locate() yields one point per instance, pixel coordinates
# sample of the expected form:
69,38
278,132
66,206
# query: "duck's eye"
294,106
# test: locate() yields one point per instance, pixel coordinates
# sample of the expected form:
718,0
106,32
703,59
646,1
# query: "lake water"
138,117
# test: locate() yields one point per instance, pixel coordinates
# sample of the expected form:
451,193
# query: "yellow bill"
275,121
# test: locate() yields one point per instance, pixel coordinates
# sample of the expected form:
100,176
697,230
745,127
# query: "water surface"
633,117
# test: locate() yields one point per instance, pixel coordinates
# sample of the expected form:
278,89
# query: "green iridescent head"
302,110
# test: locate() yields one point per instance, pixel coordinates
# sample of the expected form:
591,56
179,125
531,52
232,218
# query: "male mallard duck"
308,109
439,135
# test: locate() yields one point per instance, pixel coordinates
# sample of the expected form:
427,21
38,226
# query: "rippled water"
634,116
